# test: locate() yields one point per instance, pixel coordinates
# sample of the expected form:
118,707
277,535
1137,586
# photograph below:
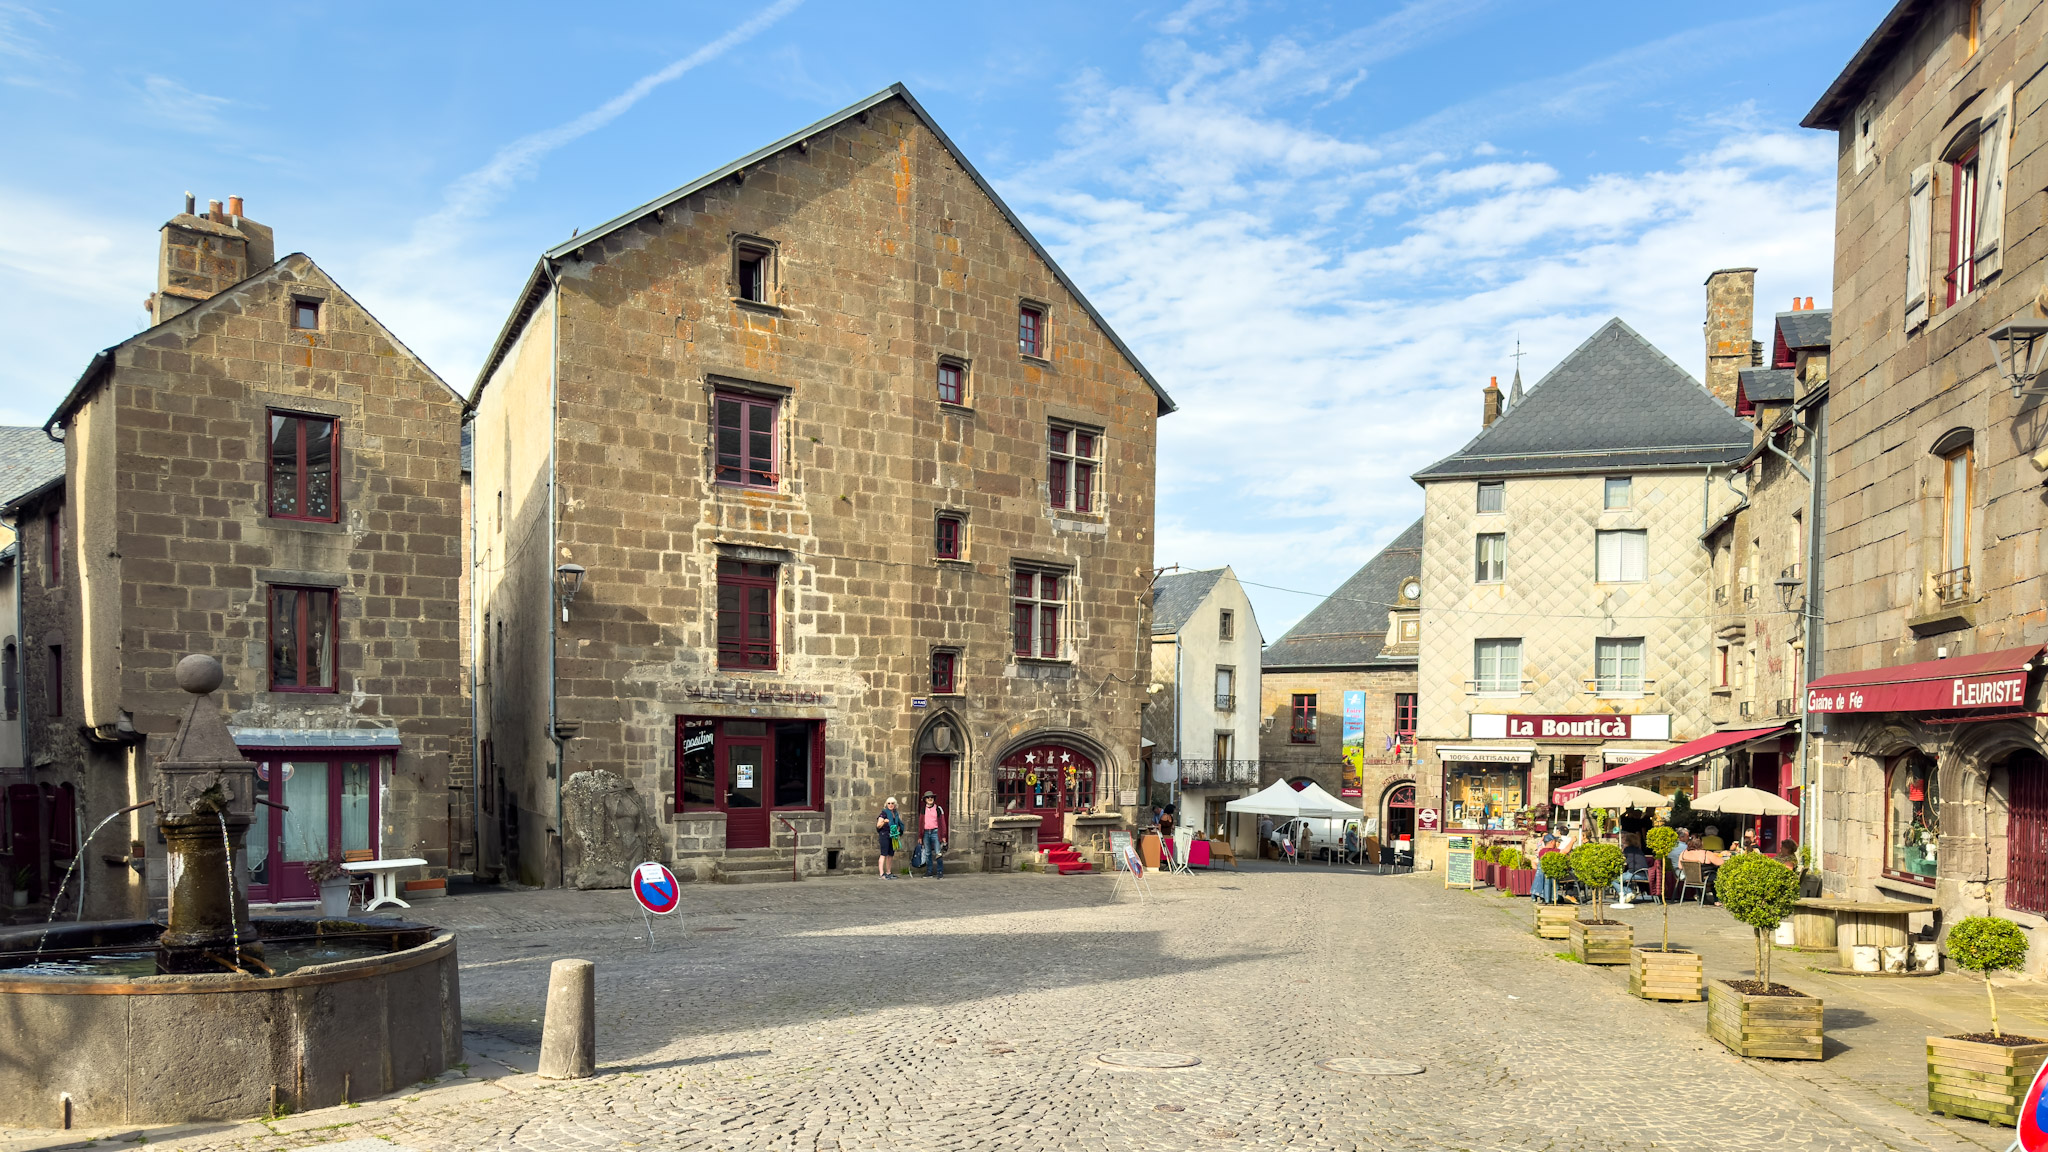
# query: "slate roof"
1615,403
28,460
537,282
1857,77
1803,330
1350,626
1176,595
1767,385
468,447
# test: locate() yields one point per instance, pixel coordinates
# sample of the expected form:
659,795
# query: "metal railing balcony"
1953,585
1226,703
1209,773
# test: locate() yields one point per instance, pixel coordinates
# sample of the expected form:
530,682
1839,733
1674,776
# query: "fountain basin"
87,1050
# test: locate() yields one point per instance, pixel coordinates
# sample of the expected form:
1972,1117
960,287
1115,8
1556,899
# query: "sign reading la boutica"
1594,726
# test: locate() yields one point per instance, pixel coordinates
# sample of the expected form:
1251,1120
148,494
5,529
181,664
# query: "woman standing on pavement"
888,832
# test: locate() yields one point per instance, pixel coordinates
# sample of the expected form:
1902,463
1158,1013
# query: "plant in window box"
1599,940
1978,1074
333,881
1664,972
1757,1017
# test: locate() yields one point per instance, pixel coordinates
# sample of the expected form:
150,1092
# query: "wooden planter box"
1601,943
1482,875
1780,1027
1674,975
1518,881
1554,921
1982,1081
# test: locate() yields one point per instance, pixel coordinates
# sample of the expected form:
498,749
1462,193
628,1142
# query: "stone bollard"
568,1037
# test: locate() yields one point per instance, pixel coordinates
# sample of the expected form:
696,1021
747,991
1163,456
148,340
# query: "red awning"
1690,750
1986,680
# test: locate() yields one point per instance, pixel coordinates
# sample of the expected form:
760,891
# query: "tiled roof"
1767,385
1176,595
1615,402
1802,330
28,460
1350,626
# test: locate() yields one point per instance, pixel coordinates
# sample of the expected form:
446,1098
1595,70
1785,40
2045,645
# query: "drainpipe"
1707,503
1816,619
548,566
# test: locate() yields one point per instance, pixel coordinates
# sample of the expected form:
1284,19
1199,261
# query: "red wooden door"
935,775
1047,781
746,766
2026,834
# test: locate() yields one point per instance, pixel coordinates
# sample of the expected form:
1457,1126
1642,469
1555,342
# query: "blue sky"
1322,226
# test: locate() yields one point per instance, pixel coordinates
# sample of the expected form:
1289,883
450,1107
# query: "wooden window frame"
741,653
301,473
949,545
1405,708
303,609
957,385
1301,719
1031,329
945,672
764,255
1483,570
1955,512
1964,173
1073,467
300,306
10,672
1618,685
1226,624
1039,622
746,470
717,724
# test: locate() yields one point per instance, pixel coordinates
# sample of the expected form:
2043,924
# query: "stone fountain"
214,1015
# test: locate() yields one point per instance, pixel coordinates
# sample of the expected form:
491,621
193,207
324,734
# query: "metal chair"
1695,877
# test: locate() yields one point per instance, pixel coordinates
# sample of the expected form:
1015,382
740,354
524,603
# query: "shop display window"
1487,796
1913,819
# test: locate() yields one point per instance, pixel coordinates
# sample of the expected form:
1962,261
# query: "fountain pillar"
205,802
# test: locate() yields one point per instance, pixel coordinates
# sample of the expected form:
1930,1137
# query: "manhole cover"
1127,1059
1371,1066
1168,1108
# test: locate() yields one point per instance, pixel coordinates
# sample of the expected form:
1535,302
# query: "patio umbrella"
1746,802
1617,796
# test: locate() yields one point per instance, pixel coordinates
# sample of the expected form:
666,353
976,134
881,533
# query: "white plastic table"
385,874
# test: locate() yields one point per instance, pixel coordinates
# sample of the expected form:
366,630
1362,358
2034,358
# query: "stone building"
1934,787
811,482
1564,590
35,811
267,475
1339,695
1202,715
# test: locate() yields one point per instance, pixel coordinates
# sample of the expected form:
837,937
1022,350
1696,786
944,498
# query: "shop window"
746,436
303,623
1497,665
952,382
1618,665
1490,558
1070,467
302,454
1039,602
696,770
1621,557
329,810
1913,819
1486,797
2026,833
780,759
746,615
1301,728
1492,495
944,665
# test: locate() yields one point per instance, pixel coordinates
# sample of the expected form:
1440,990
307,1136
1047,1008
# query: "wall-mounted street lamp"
568,578
2018,348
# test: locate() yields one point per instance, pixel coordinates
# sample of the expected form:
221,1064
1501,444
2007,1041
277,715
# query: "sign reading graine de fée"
1597,726
1998,690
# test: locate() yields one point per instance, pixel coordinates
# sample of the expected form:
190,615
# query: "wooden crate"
1779,1027
1554,921
1654,975
1601,943
1981,1081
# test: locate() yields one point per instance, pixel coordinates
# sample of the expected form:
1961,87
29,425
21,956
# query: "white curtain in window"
1619,664
1992,131
1919,233
1498,665
1621,557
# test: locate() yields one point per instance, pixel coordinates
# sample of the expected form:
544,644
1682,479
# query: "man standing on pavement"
934,826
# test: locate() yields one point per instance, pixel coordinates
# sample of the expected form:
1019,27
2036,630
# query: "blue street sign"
655,887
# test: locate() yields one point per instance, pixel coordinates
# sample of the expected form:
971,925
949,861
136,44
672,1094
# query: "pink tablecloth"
1198,854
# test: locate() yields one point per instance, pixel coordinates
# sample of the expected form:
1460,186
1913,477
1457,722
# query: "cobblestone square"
975,1012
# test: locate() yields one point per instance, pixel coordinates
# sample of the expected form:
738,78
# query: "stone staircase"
756,866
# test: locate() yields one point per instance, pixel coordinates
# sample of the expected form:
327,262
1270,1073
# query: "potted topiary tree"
1554,919
1664,972
1757,1017
1599,940
1981,1075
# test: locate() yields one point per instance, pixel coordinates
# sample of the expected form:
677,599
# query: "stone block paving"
855,1013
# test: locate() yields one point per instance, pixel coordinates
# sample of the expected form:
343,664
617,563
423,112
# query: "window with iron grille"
1038,598
303,646
1404,715
1301,728
1071,464
302,453
943,662
946,537
746,434
746,616
952,382
1031,330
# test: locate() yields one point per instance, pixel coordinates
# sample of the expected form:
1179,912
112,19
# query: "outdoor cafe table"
1819,923
385,873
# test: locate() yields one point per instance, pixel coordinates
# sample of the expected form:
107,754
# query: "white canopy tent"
1347,811
1280,799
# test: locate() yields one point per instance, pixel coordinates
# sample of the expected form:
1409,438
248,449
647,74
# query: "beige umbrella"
1746,802
1617,796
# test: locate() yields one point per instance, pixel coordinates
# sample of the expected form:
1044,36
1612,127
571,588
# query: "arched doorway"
1047,781
938,753
1399,821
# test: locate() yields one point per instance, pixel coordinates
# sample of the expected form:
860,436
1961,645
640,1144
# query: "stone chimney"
1492,402
202,254
1731,320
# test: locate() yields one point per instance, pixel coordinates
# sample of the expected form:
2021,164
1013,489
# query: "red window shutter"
1025,615
1056,482
1084,487
1049,631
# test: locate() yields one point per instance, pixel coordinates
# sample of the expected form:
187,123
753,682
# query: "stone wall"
1283,759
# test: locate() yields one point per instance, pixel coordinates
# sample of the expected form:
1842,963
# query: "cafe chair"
1695,877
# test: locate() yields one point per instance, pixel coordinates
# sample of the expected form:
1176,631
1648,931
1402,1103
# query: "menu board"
1459,872
1119,847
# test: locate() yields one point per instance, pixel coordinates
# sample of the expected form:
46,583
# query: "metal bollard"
568,1038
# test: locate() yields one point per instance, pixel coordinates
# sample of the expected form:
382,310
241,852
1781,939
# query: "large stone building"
809,483
1934,786
267,475
1203,715
35,815
1339,695
1564,589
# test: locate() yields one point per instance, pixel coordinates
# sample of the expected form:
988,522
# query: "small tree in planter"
1978,1075
1660,841
1760,892
1757,1017
1556,868
1600,940
1597,866
1664,972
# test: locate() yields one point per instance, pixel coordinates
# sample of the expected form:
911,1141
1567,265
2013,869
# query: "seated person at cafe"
1635,866
1787,854
1712,841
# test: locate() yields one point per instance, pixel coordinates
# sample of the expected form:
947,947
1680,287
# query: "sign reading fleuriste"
1597,726
1998,690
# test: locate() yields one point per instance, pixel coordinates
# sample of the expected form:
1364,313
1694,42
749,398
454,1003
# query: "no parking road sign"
655,887
2033,1126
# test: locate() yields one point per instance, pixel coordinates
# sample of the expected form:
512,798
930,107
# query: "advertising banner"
1354,745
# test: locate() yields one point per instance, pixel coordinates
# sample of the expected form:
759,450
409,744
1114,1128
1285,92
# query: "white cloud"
165,99
55,287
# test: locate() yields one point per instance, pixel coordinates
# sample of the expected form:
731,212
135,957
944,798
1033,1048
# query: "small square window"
952,383
1618,492
946,537
1031,330
306,315
753,271
1492,495
943,661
